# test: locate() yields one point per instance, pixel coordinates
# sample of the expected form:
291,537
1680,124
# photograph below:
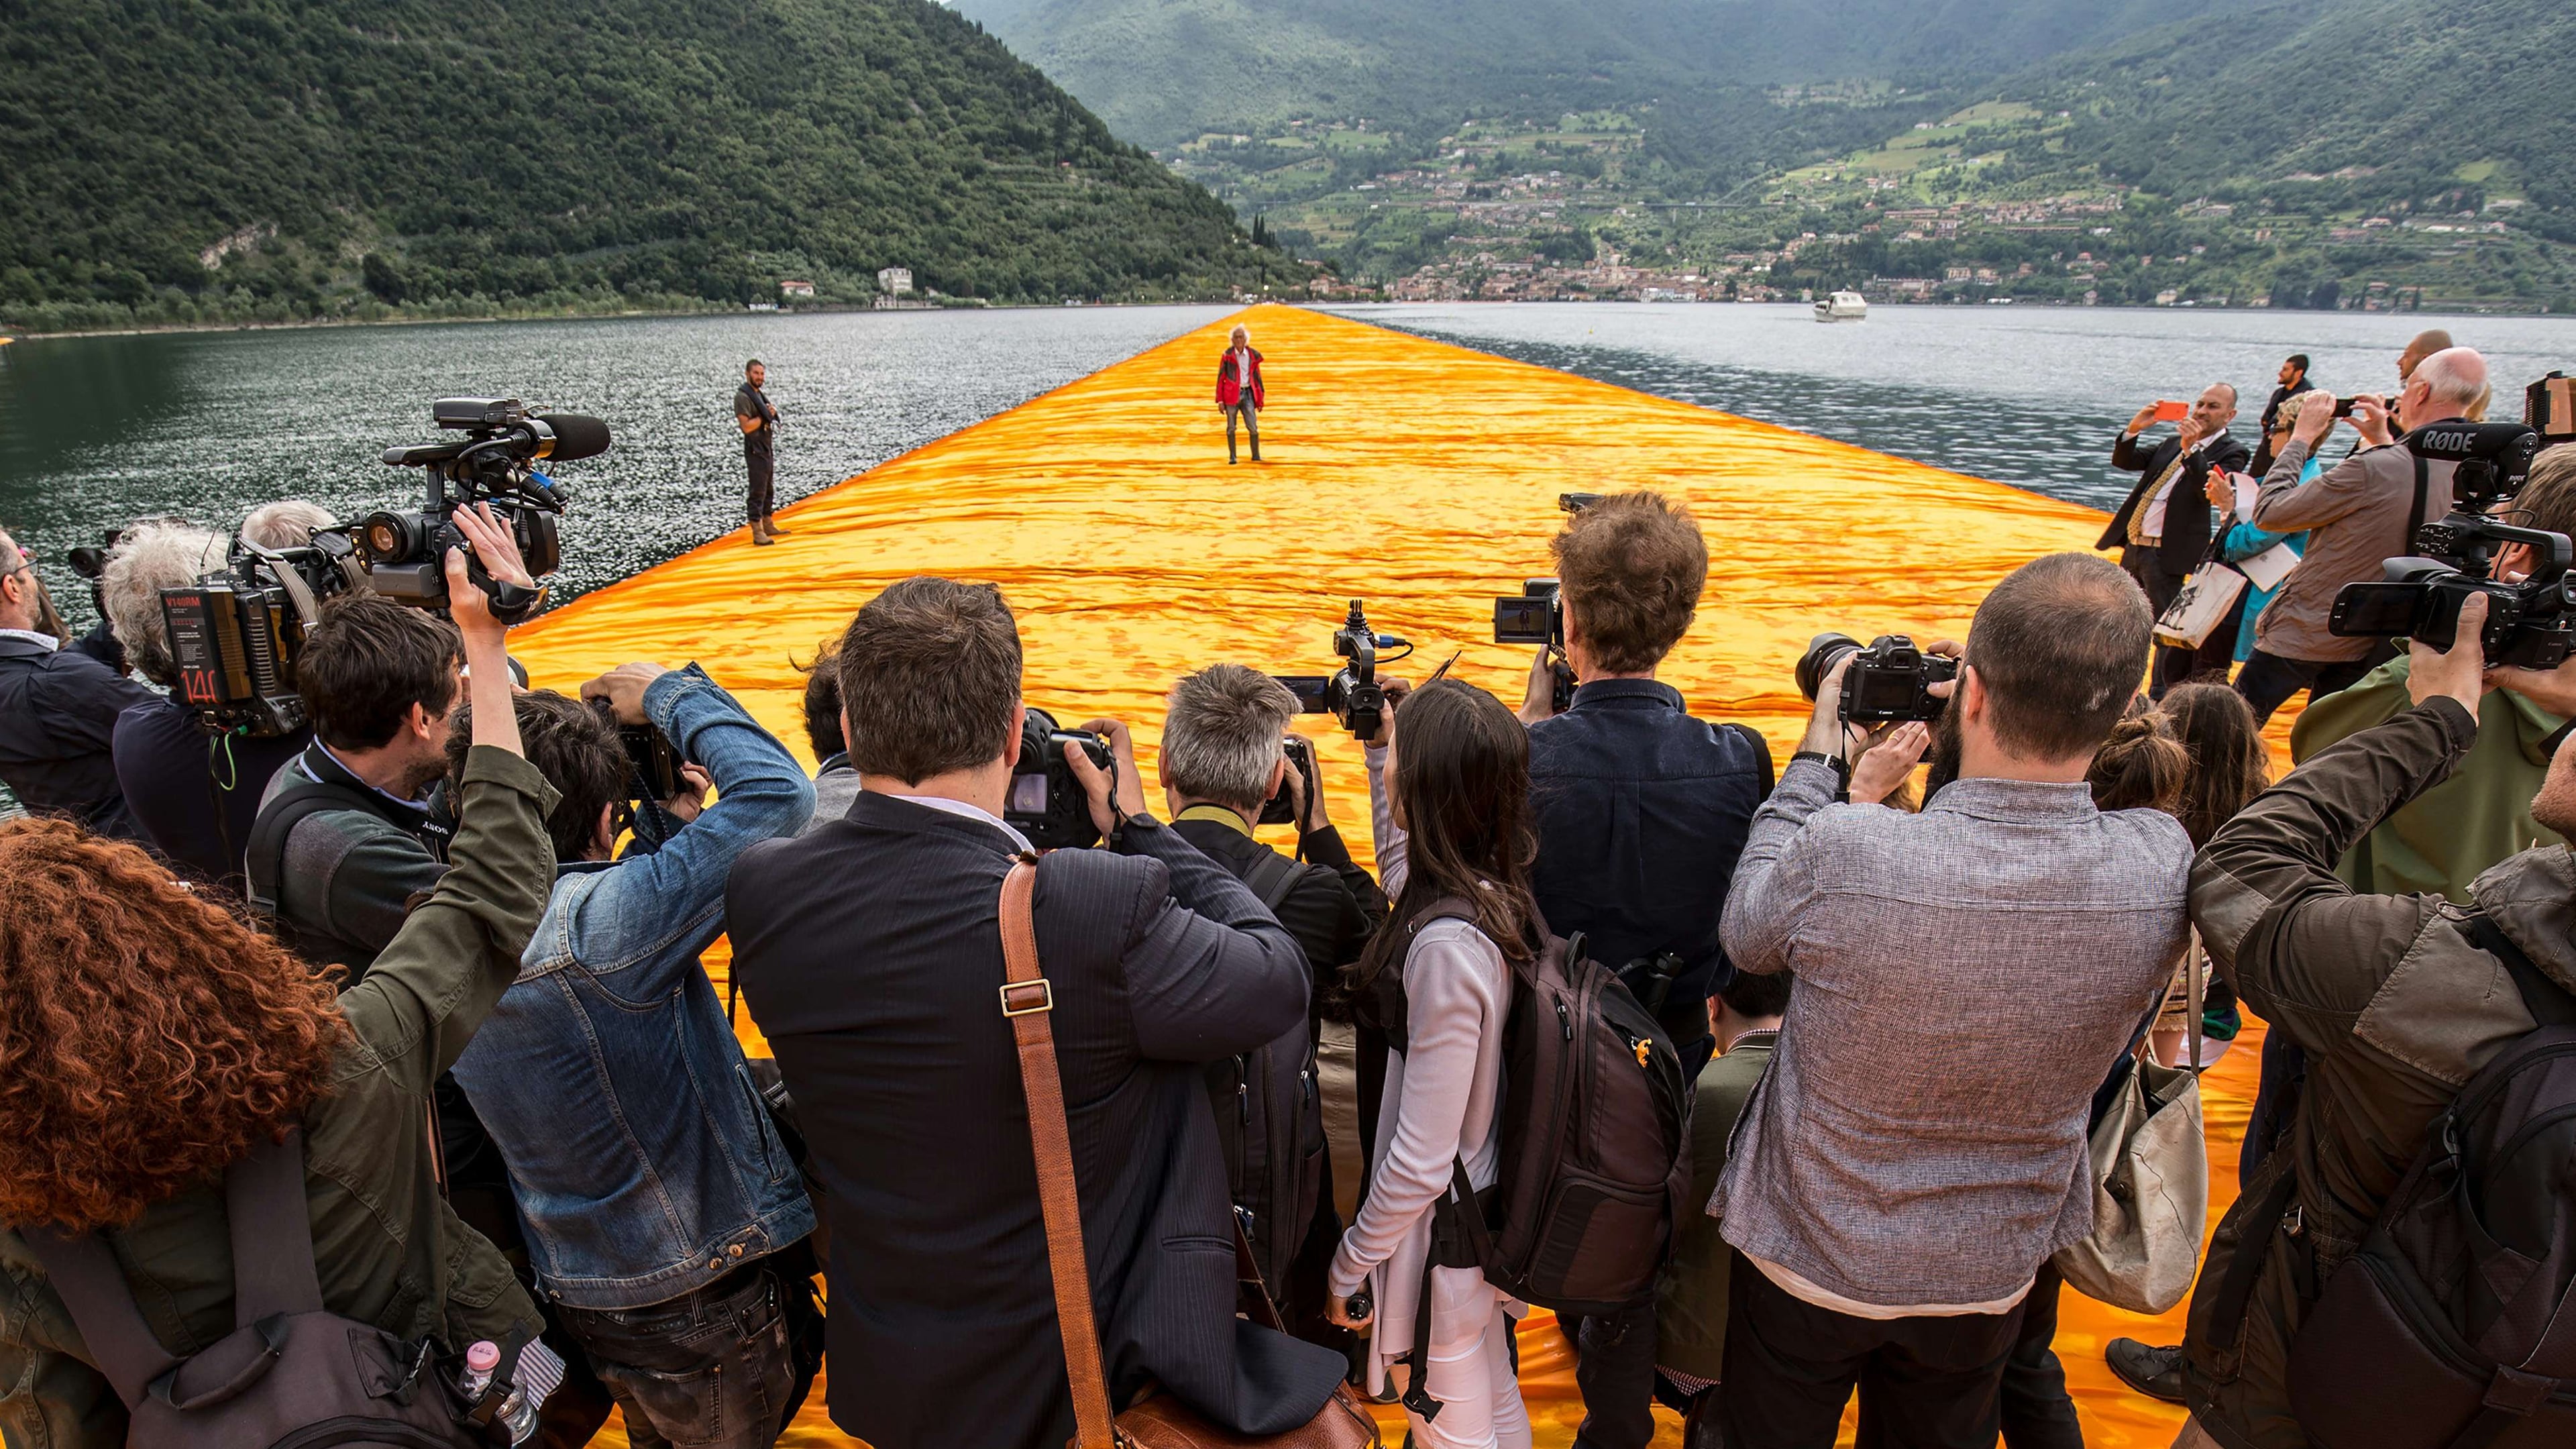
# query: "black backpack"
291,1374
1270,1118
1595,1136
2454,1325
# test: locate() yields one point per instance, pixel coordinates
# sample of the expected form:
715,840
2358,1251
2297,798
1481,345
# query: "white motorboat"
1842,307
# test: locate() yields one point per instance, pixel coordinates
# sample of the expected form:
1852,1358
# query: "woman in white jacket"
1452,813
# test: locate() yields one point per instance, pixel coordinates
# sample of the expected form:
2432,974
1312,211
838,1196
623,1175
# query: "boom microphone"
577,435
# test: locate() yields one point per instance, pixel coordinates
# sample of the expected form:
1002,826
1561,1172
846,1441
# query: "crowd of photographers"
1782,1084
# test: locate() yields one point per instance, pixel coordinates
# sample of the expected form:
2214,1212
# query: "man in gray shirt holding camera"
1966,976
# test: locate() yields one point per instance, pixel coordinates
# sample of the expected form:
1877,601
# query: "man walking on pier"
1238,391
758,419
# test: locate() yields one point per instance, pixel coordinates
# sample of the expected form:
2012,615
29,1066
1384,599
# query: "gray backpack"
291,1374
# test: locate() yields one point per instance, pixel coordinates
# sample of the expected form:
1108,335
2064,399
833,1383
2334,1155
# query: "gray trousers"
1251,424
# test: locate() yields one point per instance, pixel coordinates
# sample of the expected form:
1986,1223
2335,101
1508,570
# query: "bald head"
2450,381
2425,345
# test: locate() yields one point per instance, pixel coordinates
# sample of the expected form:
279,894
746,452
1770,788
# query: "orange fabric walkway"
1419,476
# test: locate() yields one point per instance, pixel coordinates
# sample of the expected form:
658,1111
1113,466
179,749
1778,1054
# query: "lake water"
2030,396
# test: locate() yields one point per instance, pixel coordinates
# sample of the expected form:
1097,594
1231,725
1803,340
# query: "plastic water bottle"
516,1414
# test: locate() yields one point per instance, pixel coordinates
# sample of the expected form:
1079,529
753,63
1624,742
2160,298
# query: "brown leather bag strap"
1028,1000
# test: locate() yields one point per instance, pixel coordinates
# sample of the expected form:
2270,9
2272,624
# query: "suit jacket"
870,952
2188,517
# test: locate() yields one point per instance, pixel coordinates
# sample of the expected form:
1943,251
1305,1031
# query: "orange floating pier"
1420,477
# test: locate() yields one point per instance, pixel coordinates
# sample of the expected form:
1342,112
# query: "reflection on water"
2023,395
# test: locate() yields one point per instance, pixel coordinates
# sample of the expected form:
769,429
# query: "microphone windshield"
577,435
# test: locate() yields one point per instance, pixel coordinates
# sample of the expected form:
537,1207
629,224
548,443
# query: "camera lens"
393,538
1823,652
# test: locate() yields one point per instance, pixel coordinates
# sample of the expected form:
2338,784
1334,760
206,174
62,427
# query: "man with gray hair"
195,796
2358,513
1224,756
287,523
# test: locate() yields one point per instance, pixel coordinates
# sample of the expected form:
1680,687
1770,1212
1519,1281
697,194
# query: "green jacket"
1690,1302
391,1252
2394,1007
2455,830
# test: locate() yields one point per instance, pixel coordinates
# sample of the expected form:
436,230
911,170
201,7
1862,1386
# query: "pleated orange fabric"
1418,476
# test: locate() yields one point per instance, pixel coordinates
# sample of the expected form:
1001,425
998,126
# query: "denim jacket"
642,1157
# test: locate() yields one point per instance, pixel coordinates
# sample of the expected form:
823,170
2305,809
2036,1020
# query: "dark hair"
575,746
2229,765
1462,773
2299,360
822,706
2058,648
1632,566
748,366
930,673
367,662
2140,767
153,1037
1748,993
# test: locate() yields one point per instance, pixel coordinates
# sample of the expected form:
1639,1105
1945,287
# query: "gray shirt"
2355,513
1966,978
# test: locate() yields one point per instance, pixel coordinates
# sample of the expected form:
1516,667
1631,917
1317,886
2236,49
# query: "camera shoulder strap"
1271,878
2423,489
264,858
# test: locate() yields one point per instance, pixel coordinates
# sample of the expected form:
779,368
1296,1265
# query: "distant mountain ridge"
176,160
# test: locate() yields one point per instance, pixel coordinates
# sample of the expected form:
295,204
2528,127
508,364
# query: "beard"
1945,754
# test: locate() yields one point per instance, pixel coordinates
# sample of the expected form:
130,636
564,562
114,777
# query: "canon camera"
1889,681
1046,803
2531,622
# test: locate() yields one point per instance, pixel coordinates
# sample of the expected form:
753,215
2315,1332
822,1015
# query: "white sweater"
1443,1102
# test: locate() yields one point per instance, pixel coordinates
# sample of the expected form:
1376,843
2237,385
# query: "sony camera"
2530,624
1046,803
1352,695
1537,616
404,550
1891,680
1280,809
235,634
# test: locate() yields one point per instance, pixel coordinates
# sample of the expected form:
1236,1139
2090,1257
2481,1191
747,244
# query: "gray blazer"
1966,977
2355,513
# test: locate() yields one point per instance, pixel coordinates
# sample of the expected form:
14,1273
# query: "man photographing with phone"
2163,527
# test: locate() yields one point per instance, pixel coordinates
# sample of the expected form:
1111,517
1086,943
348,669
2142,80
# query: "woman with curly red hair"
149,1038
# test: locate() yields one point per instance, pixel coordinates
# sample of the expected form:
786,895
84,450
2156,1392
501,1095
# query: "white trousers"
1471,1368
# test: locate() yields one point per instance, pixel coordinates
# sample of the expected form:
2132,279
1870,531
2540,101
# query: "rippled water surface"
2025,395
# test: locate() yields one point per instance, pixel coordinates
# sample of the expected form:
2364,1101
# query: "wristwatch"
1841,767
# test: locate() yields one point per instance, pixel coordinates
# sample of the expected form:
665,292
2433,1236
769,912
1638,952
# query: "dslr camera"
1047,803
1279,809
235,634
2531,624
1889,681
1351,695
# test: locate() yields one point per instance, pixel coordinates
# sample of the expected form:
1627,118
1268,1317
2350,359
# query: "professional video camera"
1352,695
1046,803
235,634
1890,680
2530,624
2549,405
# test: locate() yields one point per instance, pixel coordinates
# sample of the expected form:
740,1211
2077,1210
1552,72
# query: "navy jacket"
870,953
58,710
1641,813
196,796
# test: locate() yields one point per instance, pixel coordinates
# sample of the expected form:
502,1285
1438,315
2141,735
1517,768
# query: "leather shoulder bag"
1159,1420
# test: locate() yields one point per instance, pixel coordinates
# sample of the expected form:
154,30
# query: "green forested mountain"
1163,72
2353,152
185,159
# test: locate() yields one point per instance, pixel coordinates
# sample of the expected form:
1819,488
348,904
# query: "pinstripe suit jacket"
870,952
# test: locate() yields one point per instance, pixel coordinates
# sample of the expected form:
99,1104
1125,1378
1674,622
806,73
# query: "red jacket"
1229,387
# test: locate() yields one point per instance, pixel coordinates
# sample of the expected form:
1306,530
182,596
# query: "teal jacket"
2444,838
